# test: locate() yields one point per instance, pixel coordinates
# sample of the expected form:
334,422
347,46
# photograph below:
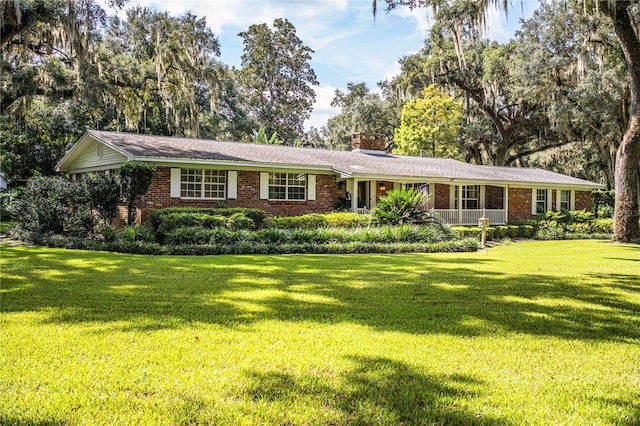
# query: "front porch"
450,204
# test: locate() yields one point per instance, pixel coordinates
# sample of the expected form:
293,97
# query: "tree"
135,178
362,111
276,79
104,195
625,17
430,125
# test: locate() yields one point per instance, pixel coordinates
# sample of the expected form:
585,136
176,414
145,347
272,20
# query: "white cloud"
322,109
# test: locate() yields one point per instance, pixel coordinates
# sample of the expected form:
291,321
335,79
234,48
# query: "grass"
534,333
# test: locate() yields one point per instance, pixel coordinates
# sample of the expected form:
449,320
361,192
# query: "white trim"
232,184
549,200
505,204
175,182
534,201
558,199
482,194
572,200
397,186
264,185
452,197
311,187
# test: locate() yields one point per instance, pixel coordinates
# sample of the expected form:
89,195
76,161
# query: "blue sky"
349,45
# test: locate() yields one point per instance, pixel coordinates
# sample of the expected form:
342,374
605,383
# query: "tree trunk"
627,205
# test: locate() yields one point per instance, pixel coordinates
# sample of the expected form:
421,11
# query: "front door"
363,194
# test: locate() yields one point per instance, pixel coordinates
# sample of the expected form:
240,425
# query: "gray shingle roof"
347,163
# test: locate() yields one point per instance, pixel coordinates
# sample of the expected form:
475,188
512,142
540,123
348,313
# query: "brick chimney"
367,142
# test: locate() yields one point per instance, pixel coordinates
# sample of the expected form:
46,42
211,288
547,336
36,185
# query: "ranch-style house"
289,181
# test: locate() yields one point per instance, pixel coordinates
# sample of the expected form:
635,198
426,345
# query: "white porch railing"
469,217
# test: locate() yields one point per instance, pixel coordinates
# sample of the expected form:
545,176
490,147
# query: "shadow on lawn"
413,294
375,391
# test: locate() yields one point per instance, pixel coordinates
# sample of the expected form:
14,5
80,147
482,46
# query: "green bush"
188,235
604,226
525,231
136,234
473,232
156,216
513,231
400,206
53,205
501,232
307,221
238,221
346,219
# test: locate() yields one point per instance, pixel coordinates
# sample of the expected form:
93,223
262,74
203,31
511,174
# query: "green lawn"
527,333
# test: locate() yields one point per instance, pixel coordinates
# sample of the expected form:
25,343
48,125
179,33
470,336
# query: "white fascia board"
235,165
461,181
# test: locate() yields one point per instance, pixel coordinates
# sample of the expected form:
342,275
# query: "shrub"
108,233
239,221
400,206
525,231
136,234
172,221
346,219
135,179
513,231
188,235
307,221
104,195
53,205
181,217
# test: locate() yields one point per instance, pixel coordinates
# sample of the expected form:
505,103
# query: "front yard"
543,332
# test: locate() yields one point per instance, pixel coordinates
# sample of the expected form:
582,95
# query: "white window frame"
466,198
291,181
564,204
200,180
538,200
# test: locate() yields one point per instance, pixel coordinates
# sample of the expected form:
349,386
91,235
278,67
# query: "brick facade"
519,204
583,200
441,198
328,195
493,197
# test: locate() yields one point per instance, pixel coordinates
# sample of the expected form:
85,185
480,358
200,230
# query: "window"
198,183
287,186
565,200
470,197
541,200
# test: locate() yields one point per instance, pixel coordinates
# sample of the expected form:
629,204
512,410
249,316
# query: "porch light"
382,186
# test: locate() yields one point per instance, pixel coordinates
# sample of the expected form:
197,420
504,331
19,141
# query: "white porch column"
354,196
482,195
459,204
506,204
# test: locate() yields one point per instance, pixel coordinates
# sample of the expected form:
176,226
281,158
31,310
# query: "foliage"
104,194
400,206
361,111
307,221
276,79
135,179
430,125
318,337
239,221
165,220
345,219
53,205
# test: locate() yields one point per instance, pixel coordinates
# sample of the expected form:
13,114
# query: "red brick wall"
494,197
159,196
583,200
519,204
441,197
